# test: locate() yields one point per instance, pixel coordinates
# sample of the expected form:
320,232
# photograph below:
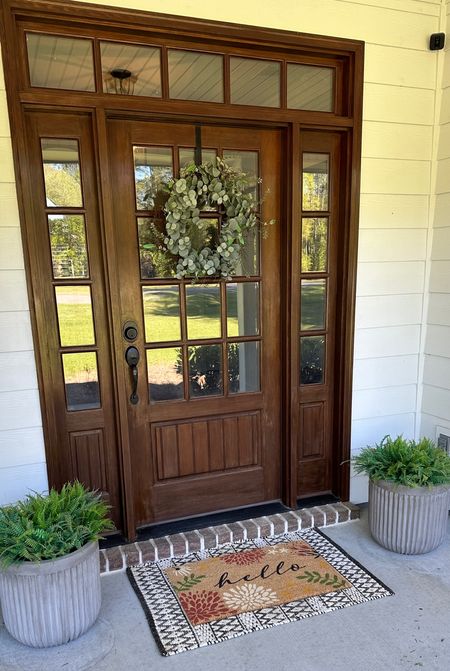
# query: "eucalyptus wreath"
208,187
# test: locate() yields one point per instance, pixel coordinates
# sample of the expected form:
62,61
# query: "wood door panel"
87,452
195,454
207,445
206,493
312,431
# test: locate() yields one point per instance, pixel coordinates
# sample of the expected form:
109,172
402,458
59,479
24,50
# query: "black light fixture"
121,81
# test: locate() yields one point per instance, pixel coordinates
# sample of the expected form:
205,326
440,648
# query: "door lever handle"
132,357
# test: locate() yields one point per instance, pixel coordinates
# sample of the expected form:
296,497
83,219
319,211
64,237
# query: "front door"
204,430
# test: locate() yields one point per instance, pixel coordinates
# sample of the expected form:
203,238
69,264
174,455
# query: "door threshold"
197,538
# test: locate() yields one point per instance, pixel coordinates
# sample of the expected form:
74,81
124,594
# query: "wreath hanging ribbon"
208,187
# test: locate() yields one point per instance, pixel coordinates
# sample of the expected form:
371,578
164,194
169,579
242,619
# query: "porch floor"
410,630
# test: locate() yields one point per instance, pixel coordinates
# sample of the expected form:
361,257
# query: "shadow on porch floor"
408,631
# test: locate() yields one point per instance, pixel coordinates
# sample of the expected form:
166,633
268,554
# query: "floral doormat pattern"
213,595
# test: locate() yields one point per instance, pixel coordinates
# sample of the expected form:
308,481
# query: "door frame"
64,17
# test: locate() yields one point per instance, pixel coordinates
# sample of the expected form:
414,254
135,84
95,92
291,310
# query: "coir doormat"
217,594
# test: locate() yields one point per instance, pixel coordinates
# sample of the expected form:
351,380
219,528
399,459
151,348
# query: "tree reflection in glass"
314,245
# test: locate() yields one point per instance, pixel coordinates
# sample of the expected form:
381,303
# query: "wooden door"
205,433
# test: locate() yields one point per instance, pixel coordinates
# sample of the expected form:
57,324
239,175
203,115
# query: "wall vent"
443,439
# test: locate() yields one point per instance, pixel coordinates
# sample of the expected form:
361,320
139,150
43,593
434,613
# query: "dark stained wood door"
205,433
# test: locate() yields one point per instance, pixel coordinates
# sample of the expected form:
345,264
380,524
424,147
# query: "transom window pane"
81,380
203,311
60,62
153,168
312,358
74,306
195,76
315,181
154,260
242,308
255,82
314,245
68,245
61,163
142,63
313,304
205,370
243,367
165,374
161,313
309,87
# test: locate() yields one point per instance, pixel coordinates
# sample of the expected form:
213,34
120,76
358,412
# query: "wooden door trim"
139,24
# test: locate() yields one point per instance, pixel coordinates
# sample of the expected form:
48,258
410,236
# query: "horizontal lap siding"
436,373
399,98
22,454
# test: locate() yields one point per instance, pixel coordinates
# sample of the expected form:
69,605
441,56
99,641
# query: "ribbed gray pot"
408,520
52,602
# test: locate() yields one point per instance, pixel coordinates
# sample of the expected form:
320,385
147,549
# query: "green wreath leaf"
205,187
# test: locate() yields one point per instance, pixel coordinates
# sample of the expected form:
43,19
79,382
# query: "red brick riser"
118,558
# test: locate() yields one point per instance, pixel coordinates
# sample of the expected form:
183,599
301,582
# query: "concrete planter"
408,520
52,602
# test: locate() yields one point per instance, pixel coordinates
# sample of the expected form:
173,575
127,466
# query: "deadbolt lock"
130,331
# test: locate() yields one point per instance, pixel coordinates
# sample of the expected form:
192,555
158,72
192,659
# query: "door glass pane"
255,82
312,358
74,306
142,63
248,263
195,76
62,179
243,308
152,170
60,62
203,311
313,304
187,155
165,374
243,367
161,313
314,245
205,370
68,245
154,260
309,87
246,162
315,181
81,380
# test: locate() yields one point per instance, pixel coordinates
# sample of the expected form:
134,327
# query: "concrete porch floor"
410,630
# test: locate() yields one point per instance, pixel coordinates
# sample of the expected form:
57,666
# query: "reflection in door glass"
315,181
161,313
242,308
152,170
60,62
248,264
74,306
246,162
187,155
81,380
255,82
165,374
60,159
243,367
195,76
312,357
205,370
309,87
155,261
68,245
203,311
142,63
314,245
313,304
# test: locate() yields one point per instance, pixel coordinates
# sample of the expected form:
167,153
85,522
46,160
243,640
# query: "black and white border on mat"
173,631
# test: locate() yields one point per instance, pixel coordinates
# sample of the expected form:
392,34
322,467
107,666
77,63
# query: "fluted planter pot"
52,602
408,520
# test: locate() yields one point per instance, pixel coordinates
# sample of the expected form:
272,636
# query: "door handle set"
132,357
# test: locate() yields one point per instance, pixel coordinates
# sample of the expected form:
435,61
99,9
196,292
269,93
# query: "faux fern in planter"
49,564
409,493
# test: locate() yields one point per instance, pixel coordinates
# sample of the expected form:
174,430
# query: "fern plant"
51,526
405,462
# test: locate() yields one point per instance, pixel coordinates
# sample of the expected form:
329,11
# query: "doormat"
221,593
